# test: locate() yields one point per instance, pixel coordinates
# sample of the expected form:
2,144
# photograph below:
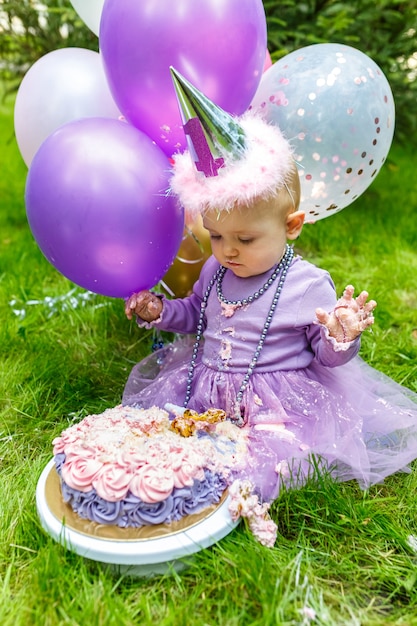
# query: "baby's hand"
350,317
145,305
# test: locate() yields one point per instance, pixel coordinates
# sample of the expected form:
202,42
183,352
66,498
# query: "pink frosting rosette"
184,476
67,437
131,460
112,482
190,469
75,450
79,472
152,483
58,445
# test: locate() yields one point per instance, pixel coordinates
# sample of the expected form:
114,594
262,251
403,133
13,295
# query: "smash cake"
131,467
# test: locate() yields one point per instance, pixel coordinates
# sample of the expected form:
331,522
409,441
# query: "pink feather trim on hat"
259,174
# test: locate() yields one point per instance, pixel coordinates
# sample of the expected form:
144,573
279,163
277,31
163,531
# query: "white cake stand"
128,551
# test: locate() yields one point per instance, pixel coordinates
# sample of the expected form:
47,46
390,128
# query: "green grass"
340,551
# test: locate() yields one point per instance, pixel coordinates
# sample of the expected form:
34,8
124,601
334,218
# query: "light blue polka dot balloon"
336,107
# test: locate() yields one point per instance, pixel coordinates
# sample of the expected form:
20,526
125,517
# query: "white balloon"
90,12
335,106
62,86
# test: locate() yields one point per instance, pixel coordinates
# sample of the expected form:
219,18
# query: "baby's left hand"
350,317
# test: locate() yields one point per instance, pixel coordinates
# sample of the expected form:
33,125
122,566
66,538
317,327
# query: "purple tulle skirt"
352,420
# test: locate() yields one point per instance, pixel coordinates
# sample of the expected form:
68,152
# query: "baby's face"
248,240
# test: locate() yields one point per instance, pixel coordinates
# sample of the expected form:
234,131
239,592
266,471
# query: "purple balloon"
97,206
218,46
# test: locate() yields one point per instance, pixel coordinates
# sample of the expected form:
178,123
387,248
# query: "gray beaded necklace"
282,269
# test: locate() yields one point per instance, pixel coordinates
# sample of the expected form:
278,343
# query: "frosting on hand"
350,317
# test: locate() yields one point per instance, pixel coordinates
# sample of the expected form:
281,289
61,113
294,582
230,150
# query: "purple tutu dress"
307,397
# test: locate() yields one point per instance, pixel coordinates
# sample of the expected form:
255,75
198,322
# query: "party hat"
209,129
234,160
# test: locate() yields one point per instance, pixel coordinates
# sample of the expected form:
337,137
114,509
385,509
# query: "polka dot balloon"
336,107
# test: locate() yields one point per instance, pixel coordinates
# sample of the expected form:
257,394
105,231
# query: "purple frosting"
192,499
133,512
137,513
59,461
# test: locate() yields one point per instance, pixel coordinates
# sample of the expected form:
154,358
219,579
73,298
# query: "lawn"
341,553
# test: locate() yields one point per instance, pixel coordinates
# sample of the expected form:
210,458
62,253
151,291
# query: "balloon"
194,251
90,12
218,46
97,207
335,106
62,86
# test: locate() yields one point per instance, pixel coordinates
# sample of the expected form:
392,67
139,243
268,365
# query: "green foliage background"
383,29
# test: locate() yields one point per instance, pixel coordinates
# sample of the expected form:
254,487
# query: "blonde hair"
286,198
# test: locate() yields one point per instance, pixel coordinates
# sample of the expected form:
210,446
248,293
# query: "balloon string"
168,289
157,340
198,242
194,236
189,261
75,298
